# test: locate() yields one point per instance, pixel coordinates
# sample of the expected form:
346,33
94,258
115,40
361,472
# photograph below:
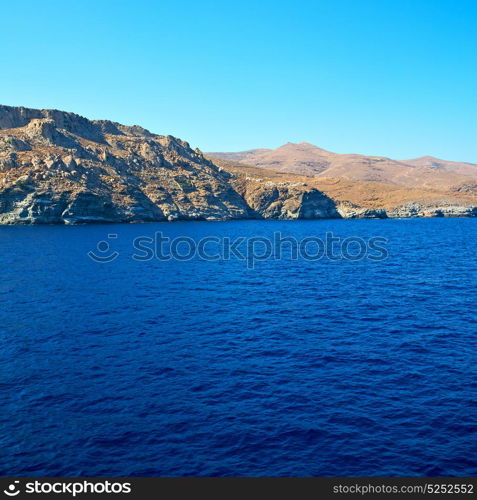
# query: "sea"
239,348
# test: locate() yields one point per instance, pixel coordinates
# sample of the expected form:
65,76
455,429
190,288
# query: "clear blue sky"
388,77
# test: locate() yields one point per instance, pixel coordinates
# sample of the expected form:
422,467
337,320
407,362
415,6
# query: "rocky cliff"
285,200
58,167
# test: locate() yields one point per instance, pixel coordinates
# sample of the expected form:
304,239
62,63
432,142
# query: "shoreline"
168,221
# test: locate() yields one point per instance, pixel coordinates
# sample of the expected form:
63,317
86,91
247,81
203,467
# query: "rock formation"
282,200
58,167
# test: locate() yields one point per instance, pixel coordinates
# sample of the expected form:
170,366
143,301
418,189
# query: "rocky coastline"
57,167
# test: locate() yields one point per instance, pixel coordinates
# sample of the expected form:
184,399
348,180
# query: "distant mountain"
301,158
306,159
455,167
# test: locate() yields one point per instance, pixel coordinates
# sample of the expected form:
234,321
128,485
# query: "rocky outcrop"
349,210
58,167
285,200
420,210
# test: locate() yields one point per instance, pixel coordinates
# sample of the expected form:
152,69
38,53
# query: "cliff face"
272,200
58,167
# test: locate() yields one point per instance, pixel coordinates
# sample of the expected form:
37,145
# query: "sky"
382,77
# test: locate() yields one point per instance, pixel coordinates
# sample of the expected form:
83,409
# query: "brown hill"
302,158
306,159
455,167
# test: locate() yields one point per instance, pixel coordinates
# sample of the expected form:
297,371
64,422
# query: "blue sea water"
197,368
